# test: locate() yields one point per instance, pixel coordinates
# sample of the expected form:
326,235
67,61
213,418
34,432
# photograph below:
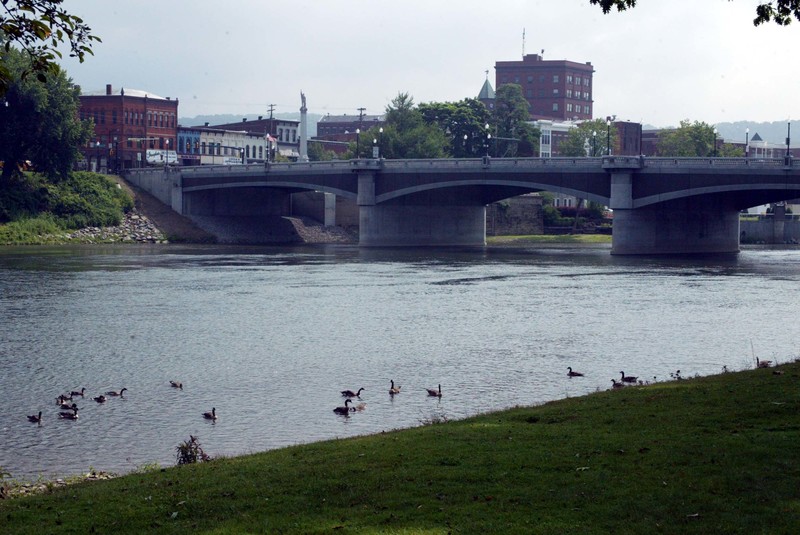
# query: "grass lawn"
717,454
548,238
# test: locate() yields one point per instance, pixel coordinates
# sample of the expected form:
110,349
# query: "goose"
351,394
763,363
100,399
571,373
628,378
76,393
70,407
358,408
62,398
116,393
211,415
616,384
345,409
435,393
69,415
394,389
176,384
36,419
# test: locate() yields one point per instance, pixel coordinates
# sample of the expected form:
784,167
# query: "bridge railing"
718,162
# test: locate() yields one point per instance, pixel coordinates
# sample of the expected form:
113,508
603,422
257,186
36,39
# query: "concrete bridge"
661,205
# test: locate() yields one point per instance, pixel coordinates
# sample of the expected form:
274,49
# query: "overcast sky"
659,63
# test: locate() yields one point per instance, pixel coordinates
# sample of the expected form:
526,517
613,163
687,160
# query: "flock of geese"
624,379
346,409
69,409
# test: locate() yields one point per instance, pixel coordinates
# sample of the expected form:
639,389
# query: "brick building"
555,89
131,127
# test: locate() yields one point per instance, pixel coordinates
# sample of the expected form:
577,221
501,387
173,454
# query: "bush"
190,452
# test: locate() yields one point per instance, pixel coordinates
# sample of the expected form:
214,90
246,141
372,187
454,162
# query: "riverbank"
703,455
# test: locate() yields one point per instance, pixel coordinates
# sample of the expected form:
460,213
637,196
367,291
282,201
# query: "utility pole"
360,116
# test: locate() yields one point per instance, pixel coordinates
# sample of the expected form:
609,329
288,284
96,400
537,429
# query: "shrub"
190,452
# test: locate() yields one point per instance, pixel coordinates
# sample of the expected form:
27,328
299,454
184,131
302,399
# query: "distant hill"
772,132
225,118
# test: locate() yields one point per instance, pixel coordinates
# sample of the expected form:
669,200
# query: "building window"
586,82
577,80
530,79
555,78
586,110
569,106
585,95
569,93
555,106
569,78
555,92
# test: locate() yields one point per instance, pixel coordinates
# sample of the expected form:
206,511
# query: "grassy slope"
709,455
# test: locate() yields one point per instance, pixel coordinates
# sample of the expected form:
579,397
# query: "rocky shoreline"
134,228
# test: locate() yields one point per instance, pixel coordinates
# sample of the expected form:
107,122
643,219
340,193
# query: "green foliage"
31,206
463,124
552,217
513,135
190,452
38,27
589,138
405,134
317,153
39,121
782,12
688,140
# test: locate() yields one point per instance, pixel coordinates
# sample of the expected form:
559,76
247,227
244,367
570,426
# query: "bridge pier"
684,226
420,219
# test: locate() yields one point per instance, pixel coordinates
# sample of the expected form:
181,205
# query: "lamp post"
166,152
488,139
97,154
788,137
358,142
715,143
608,136
594,141
746,142
380,141
241,154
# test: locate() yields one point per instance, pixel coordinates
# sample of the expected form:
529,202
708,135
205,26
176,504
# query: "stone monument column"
303,129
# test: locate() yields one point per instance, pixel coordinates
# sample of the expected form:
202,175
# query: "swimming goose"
211,415
62,398
345,409
36,419
68,406
100,399
616,384
628,378
435,393
116,393
69,415
358,408
571,373
176,384
394,389
351,394
76,393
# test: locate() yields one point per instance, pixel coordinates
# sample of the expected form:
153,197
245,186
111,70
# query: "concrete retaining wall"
156,182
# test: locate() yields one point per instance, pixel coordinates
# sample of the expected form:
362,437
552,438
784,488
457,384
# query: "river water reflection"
270,336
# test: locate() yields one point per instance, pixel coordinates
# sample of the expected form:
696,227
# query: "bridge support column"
684,226
418,220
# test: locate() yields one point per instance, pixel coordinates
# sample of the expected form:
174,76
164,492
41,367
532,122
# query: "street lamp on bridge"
715,143
608,136
594,142
746,142
358,142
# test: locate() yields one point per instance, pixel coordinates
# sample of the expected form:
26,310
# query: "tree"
462,122
318,153
589,138
780,11
405,134
39,120
695,139
513,135
38,27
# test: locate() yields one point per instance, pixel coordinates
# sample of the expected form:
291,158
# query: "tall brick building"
555,89
128,124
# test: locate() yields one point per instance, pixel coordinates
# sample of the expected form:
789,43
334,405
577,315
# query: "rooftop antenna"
523,43
542,54
487,73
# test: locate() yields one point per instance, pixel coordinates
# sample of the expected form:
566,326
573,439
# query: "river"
270,336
